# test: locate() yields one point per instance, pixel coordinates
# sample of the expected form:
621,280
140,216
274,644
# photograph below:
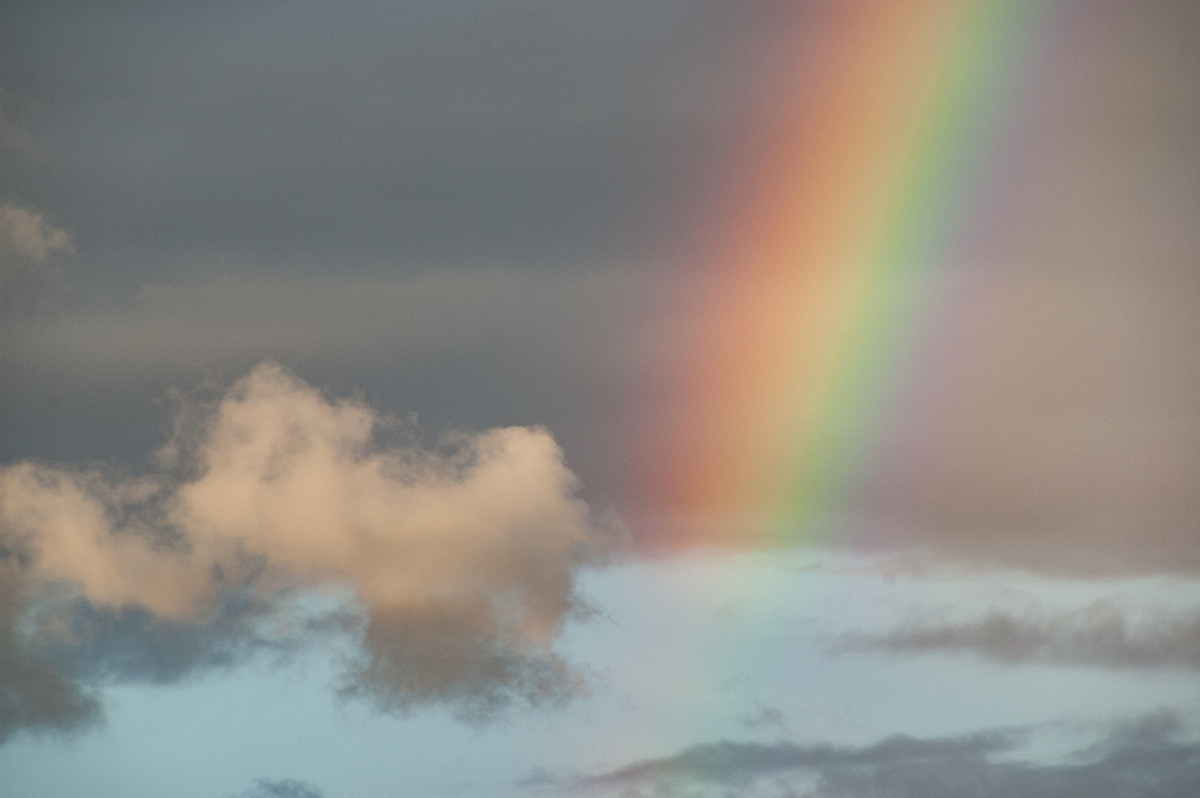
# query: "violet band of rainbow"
804,320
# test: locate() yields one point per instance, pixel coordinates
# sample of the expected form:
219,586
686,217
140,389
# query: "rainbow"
823,267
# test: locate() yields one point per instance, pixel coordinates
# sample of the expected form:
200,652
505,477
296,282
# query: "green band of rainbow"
811,299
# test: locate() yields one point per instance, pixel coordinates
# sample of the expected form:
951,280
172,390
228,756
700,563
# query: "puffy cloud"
1152,757
1100,635
460,556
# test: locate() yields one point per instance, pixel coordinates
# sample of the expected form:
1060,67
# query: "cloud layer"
461,556
1149,758
1099,636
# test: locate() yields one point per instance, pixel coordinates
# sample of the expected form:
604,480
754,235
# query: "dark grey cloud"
518,139
736,763
765,717
311,135
1153,757
106,646
1100,636
460,349
455,653
283,788
58,650
34,695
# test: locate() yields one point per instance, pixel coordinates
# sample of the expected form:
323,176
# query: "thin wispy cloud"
1101,635
740,764
283,788
1153,757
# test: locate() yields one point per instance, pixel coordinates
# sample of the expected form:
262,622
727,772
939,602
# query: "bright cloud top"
462,556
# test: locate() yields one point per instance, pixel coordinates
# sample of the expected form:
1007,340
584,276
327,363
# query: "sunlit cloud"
461,556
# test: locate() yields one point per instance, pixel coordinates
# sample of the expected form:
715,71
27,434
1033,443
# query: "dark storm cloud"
318,135
1100,636
459,349
1150,758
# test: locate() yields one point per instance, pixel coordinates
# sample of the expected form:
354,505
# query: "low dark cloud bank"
1153,757
1099,636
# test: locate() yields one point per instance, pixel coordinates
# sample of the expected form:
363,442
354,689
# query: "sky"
650,399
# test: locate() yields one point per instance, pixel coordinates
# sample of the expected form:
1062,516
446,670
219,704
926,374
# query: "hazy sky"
340,342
